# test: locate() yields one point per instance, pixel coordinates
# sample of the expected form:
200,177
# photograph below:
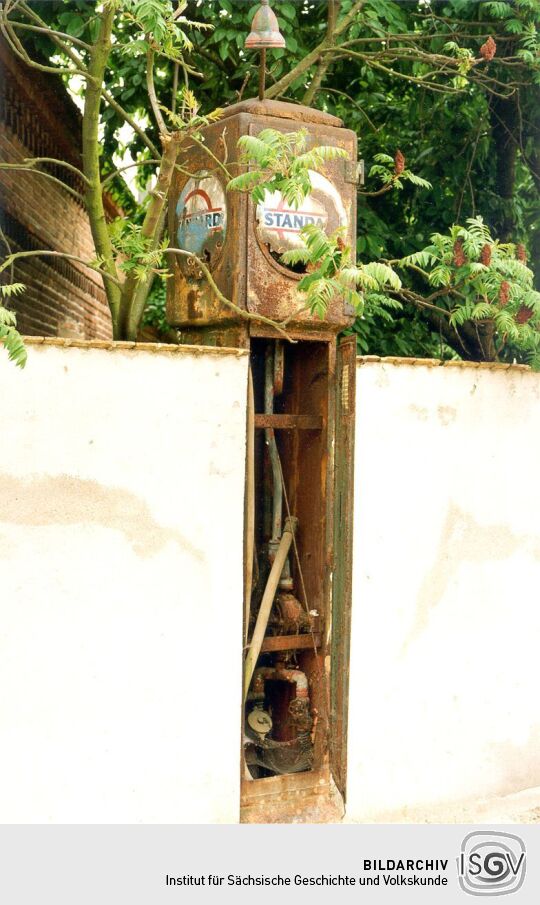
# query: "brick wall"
62,298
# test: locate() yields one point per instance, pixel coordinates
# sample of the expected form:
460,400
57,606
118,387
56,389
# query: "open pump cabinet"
298,526
295,708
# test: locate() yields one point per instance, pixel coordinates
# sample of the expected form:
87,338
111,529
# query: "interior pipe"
277,501
289,530
273,386
249,550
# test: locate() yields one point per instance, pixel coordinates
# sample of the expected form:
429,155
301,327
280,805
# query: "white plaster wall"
446,600
121,518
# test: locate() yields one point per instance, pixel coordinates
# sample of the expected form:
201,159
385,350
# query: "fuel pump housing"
241,242
299,450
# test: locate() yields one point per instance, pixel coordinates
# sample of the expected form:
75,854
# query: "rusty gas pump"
241,242
298,554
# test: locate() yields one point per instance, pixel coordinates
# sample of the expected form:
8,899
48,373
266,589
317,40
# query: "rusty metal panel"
342,577
209,221
292,798
274,227
240,248
289,422
283,110
201,216
291,642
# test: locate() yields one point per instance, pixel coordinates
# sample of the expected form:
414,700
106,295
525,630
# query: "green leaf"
416,180
255,148
499,9
287,10
7,290
513,26
296,256
9,337
423,258
245,182
383,275
482,310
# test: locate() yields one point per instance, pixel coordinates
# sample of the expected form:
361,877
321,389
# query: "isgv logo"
491,863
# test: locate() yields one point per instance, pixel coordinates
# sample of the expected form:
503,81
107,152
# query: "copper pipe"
262,74
277,502
283,674
263,616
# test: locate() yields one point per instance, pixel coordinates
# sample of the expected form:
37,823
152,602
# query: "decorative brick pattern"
437,363
62,298
122,346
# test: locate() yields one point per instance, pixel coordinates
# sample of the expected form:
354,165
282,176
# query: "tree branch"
30,169
241,312
324,63
280,86
44,252
31,161
211,154
347,20
129,166
445,89
20,52
174,91
51,33
65,48
107,96
135,292
152,92
213,57
382,191
4,239
354,103
468,173
408,295
91,159
142,163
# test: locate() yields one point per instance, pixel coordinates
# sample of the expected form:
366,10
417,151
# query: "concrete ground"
520,807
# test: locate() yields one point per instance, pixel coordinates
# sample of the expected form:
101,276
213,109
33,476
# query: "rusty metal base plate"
296,798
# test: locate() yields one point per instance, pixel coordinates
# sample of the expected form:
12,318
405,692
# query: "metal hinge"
354,172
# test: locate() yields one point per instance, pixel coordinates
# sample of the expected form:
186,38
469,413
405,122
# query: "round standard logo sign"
201,215
279,224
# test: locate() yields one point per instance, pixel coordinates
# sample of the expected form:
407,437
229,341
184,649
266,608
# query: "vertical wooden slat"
342,577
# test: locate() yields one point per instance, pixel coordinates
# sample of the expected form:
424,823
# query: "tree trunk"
531,140
135,292
471,341
505,129
91,160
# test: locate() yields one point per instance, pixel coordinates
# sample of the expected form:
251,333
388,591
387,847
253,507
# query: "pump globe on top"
265,31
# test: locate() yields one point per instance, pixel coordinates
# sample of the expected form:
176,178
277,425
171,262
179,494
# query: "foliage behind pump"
484,288
451,84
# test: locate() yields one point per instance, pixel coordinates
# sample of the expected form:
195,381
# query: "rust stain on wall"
446,414
463,540
65,500
420,411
